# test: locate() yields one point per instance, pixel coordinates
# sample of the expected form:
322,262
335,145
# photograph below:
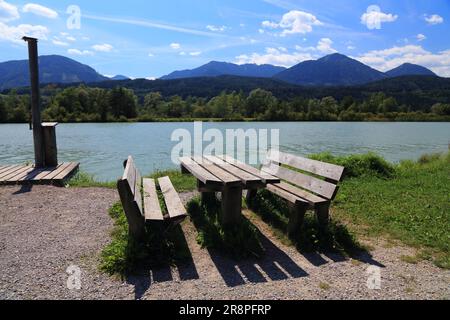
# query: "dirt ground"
44,230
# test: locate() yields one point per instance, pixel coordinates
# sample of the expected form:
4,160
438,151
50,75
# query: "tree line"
86,104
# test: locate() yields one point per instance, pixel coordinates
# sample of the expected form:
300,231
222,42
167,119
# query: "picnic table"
229,177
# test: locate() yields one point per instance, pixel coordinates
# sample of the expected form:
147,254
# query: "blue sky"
148,39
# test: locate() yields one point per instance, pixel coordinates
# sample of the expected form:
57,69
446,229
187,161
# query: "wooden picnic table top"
224,171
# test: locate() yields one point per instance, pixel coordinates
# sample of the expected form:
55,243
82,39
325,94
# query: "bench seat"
141,203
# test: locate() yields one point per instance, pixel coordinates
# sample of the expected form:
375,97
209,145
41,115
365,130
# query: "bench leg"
323,214
207,197
231,205
296,217
250,197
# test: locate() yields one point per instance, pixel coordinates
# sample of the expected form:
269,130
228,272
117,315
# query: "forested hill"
415,91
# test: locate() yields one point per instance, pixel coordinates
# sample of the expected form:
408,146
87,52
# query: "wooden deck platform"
23,174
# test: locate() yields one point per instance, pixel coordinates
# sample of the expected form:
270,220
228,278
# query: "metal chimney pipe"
38,139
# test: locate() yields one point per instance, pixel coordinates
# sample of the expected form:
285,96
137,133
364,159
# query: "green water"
101,148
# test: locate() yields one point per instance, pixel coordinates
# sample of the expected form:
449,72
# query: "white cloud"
388,59
216,28
8,12
182,53
434,19
275,57
325,46
70,38
15,33
60,43
373,18
39,10
77,52
175,46
421,37
351,47
196,53
294,22
151,55
103,47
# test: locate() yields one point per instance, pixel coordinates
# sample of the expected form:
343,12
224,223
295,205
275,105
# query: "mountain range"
332,70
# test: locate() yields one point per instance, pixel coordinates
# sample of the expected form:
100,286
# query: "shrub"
369,164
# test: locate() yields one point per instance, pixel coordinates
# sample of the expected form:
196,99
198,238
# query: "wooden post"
251,194
231,205
323,214
50,148
39,153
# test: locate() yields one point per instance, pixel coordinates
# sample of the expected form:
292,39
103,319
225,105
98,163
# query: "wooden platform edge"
58,179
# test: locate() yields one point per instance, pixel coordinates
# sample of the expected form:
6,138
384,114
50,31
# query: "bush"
369,164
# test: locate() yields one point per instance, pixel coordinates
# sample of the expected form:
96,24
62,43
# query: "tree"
123,103
259,101
441,109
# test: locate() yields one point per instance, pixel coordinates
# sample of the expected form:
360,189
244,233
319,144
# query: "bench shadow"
151,271
276,265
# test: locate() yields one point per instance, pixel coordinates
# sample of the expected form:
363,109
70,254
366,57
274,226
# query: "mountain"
332,70
409,69
215,68
119,77
52,69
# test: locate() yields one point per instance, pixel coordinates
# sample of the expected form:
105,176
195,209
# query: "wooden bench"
140,201
312,187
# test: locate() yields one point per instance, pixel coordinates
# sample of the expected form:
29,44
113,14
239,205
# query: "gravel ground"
44,230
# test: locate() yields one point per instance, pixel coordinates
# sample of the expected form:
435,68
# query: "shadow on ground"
150,271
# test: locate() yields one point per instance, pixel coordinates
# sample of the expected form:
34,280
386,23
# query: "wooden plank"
45,172
10,170
14,173
22,175
72,166
249,180
57,171
152,208
138,191
6,168
304,181
227,178
284,194
32,174
323,169
129,174
267,178
174,205
199,172
309,197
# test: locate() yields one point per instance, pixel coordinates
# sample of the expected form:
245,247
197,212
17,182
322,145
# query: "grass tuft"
181,182
86,180
238,242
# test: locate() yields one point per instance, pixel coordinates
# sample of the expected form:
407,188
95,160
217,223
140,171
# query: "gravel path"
45,230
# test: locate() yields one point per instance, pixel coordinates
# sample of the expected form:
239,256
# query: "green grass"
181,182
238,242
160,247
412,205
86,180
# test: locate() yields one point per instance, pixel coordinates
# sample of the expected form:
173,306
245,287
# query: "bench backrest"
319,177
131,183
